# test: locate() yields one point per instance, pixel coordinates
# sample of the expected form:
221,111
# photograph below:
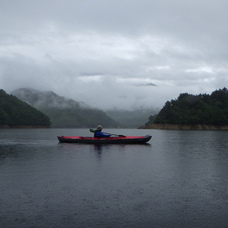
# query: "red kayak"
94,140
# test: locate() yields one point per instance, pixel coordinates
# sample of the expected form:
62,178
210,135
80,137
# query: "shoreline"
185,127
21,126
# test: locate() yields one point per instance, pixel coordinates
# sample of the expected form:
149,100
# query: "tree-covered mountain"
195,109
64,112
16,113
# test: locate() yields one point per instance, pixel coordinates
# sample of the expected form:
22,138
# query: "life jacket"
99,134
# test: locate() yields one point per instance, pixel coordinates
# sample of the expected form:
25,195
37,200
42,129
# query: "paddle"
92,130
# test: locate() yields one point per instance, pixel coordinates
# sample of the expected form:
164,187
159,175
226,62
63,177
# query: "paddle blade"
91,130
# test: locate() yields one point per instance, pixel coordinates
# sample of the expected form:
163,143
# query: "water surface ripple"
177,180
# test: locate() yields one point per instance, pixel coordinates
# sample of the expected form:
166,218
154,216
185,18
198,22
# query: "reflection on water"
179,179
99,148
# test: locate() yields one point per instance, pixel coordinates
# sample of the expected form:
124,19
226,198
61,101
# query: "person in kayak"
100,134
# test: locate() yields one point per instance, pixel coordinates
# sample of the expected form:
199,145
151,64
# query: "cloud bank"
114,53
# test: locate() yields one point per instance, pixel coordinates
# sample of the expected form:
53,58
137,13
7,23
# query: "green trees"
14,112
195,109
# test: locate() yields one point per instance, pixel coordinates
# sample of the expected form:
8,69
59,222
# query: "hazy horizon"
85,105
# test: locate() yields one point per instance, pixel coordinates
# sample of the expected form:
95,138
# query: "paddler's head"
99,127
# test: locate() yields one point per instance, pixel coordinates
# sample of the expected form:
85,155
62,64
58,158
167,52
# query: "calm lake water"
179,179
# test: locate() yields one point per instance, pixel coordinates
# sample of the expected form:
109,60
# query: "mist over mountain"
62,111
46,99
132,118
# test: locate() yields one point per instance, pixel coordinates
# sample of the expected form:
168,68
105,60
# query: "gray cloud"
94,51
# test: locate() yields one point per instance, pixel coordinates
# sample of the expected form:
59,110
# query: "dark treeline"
14,112
195,109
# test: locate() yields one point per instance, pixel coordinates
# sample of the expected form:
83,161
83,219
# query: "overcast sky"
114,53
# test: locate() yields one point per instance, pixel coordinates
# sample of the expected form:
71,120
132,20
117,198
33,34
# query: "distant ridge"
45,99
131,118
62,111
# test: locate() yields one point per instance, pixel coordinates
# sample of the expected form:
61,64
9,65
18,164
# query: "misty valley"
33,108
63,112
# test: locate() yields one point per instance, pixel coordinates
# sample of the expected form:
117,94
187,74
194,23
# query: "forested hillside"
195,109
14,113
64,112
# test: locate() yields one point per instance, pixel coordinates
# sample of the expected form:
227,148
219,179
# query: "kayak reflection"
100,148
